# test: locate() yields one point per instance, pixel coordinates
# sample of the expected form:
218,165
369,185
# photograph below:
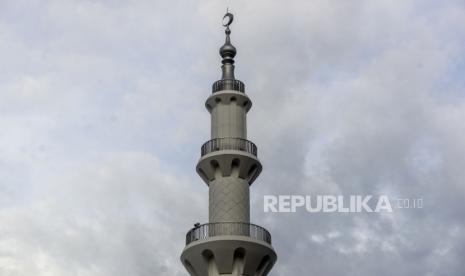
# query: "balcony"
208,230
236,85
228,144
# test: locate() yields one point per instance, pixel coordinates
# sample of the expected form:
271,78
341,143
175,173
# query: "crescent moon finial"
228,51
230,19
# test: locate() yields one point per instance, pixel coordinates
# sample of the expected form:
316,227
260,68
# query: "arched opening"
207,254
239,253
264,266
214,164
252,171
190,268
202,174
209,259
235,167
239,261
235,163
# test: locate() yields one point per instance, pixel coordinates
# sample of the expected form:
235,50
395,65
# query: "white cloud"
100,106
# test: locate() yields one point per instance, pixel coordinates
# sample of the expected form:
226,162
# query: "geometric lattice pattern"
229,200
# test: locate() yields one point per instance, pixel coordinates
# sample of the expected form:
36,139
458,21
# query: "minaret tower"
229,244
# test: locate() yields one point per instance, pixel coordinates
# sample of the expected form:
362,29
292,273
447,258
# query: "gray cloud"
98,144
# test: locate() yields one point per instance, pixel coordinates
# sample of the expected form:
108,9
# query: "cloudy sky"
99,109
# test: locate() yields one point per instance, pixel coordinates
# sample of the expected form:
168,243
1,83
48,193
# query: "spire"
228,51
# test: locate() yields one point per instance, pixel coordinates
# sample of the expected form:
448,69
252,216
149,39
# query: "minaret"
229,244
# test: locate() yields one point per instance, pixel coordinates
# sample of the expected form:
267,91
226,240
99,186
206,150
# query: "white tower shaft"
229,244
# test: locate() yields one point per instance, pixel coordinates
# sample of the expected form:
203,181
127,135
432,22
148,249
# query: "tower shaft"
229,198
229,244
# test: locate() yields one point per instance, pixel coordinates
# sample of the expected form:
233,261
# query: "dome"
228,51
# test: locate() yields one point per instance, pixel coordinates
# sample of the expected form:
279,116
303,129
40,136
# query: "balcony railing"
228,85
228,144
208,230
